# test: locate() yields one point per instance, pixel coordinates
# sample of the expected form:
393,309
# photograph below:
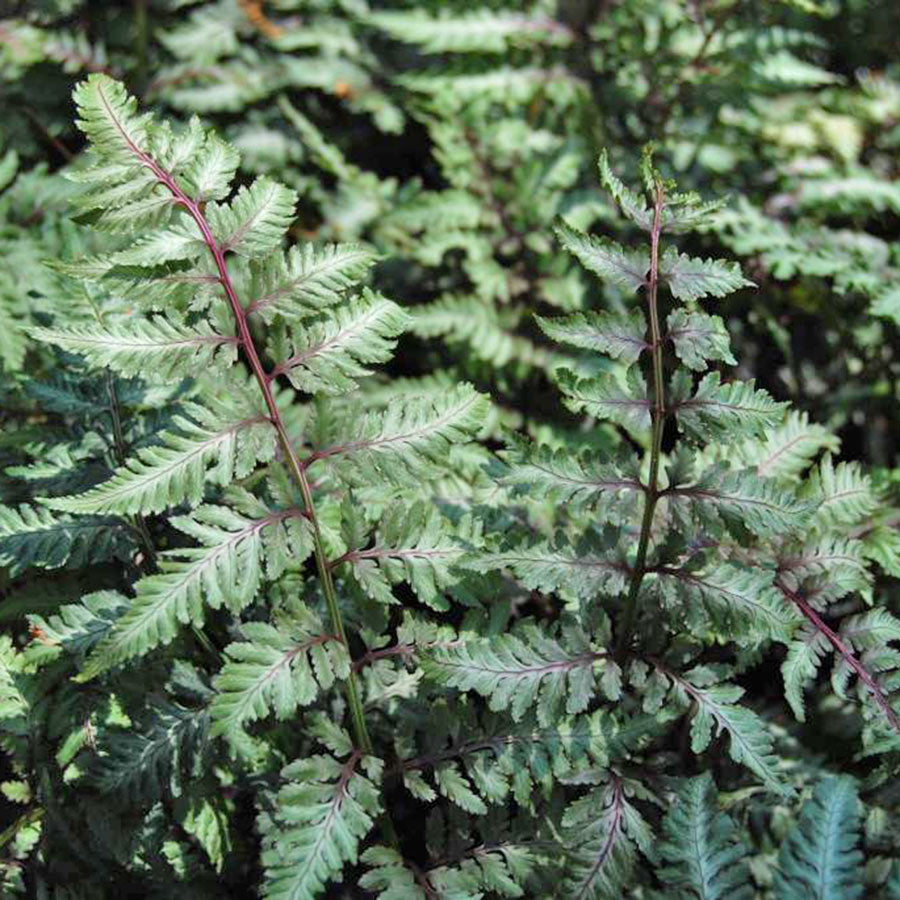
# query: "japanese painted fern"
312,638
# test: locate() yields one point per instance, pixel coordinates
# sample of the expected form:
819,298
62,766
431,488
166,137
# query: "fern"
819,857
274,669
703,856
341,792
255,511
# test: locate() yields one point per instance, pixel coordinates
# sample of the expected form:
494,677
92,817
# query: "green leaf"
206,821
480,31
503,761
181,242
388,876
214,443
324,808
600,864
843,494
13,701
681,212
582,571
415,544
225,570
742,499
789,449
804,656
727,412
632,204
870,630
209,171
305,279
699,338
705,855
605,397
738,600
32,537
565,477
108,117
605,258
828,568
154,348
412,436
327,354
256,220
820,857
690,279
278,667
160,752
619,335
517,673
717,710
77,627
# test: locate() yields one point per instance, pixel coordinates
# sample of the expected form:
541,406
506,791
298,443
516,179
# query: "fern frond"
820,856
727,412
605,258
328,355
629,202
517,672
705,856
619,335
789,449
827,568
256,220
77,627
13,701
181,242
717,709
605,397
804,656
742,498
690,279
224,571
150,348
109,118
141,761
481,31
502,869
735,599
682,212
34,537
498,760
467,320
414,544
583,571
278,667
606,828
411,436
214,443
565,477
324,808
698,338
305,279
843,494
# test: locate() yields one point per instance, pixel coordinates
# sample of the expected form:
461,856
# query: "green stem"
658,417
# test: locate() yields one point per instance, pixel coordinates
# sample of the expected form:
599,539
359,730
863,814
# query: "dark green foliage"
405,496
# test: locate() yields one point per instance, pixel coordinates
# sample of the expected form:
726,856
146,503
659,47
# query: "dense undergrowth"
449,450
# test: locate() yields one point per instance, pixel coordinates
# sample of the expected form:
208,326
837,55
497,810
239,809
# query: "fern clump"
245,482
295,617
